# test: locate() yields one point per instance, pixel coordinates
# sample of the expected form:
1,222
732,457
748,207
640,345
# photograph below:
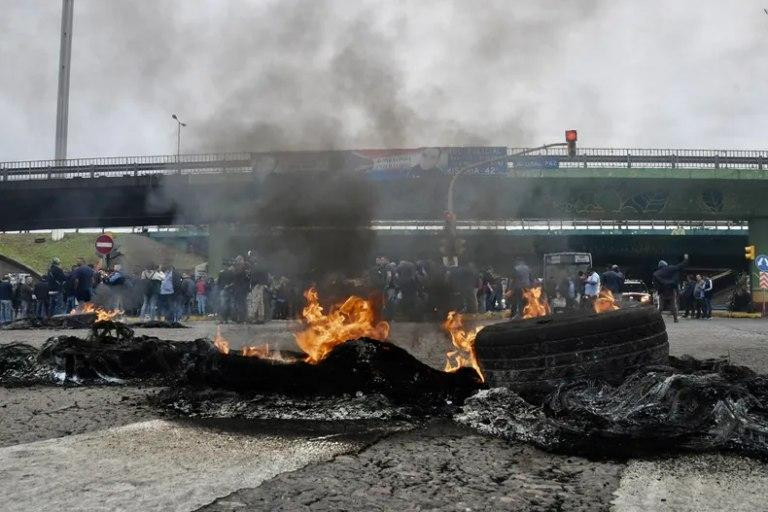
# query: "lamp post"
65,57
452,246
178,135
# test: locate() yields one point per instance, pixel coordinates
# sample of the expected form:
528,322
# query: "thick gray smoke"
324,74
299,74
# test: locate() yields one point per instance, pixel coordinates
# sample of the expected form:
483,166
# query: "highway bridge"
312,190
608,184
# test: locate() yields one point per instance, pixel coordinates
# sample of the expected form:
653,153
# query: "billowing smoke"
322,74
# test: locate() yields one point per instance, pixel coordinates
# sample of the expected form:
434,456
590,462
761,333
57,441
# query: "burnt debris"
363,365
112,354
687,405
70,321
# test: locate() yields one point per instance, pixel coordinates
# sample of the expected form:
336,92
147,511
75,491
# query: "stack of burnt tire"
534,356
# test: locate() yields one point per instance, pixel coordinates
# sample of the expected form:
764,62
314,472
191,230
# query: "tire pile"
533,357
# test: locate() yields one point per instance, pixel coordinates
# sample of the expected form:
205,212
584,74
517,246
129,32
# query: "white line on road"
149,466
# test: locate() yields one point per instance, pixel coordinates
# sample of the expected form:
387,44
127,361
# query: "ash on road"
433,467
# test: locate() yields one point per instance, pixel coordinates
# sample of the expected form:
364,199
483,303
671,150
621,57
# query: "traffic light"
570,137
750,252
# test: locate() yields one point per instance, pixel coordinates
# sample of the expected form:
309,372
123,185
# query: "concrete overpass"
215,189
203,189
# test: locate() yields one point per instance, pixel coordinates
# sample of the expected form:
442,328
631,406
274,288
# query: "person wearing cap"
666,278
56,280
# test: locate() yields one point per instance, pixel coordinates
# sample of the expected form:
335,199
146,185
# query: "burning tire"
534,356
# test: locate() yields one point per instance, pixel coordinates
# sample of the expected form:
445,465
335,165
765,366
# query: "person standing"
68,290
225,283
24,297
187,296
613,280
687,301
699,295
6,300
170,292
708,292
666,278
56,281
116,282
521,281
256,307
201,295
83,282
591,289
41,298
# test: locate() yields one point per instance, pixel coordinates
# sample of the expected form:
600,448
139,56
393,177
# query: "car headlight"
645,298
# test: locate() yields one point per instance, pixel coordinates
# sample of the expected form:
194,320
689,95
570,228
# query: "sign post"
105,244
763,287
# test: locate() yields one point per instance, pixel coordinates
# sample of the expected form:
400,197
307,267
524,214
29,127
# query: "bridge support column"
219,236
758,236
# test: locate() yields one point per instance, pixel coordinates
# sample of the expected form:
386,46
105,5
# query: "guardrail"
242,162
680,227
646,158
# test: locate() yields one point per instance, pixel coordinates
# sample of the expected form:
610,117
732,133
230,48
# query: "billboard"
383,164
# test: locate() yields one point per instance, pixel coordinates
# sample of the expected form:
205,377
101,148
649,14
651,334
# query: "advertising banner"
384,164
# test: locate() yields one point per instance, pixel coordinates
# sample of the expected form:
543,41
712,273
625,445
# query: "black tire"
535,355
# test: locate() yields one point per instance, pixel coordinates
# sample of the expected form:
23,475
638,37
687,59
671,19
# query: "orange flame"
464,341
102,315
220,342
535,305
263,352
351,320
605,301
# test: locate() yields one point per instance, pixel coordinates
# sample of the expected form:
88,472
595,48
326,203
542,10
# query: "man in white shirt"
591,288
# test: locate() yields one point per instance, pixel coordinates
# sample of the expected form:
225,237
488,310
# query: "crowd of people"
244,291
241,292
415,290
56,292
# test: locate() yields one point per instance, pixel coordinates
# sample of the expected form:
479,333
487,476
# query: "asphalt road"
104,448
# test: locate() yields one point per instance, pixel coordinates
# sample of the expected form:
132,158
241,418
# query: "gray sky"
289,74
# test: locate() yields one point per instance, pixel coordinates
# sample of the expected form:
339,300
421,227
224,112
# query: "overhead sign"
764,280
104,244
761,262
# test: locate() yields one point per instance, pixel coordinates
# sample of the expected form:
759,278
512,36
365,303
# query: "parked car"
636,291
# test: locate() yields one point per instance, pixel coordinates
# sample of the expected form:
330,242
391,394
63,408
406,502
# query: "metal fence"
557,225
242,162
645,158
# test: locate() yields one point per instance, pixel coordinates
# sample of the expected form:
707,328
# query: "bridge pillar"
758,236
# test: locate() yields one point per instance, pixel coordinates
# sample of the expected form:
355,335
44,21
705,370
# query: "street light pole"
178,135
65,57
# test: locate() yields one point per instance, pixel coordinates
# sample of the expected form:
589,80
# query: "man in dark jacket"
83,275
56,280
613,280
6,300
40,296
666,278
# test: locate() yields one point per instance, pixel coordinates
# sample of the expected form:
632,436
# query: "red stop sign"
104,244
